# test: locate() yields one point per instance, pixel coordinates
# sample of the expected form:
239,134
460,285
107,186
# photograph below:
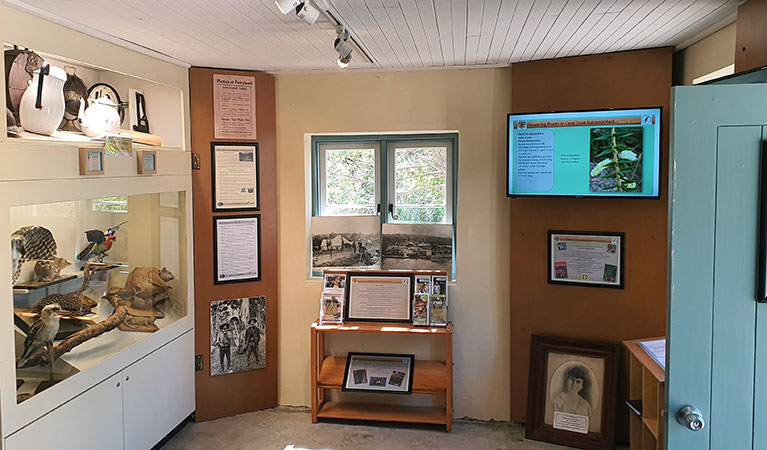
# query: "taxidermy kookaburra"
42,333
98,244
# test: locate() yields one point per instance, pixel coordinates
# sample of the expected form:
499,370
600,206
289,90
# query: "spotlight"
343,47
307,13
287,6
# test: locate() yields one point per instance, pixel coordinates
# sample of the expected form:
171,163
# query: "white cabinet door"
92,420
158,393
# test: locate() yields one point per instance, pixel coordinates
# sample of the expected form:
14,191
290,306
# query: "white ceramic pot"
101,117
42,105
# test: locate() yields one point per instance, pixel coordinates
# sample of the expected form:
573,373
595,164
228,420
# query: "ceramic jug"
42,105
101,117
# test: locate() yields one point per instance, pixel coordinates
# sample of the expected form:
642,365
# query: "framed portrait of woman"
571,392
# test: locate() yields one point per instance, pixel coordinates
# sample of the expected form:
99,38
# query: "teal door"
717,331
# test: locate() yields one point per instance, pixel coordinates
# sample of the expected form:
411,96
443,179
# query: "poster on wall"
237,251
234,107
237,335
346,242
586,258
417,247
235,176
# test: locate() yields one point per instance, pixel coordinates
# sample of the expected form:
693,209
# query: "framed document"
91,161
235,176
379,372
379,297
146,162
234,106
237,252
586,258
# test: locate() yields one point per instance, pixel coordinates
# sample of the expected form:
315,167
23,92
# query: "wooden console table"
429,377
646,398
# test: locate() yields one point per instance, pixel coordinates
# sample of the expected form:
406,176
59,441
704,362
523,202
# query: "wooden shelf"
389,327
652,425
646,388
429,377
386,413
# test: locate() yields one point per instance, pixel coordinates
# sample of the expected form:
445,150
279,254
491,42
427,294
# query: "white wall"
473,102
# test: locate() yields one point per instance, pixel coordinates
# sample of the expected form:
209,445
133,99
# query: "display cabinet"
124,294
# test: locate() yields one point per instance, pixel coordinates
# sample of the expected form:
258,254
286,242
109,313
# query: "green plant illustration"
616,159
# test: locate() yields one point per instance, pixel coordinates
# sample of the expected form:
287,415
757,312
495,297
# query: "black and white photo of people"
237,335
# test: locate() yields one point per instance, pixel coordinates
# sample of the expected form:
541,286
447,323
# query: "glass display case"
98,275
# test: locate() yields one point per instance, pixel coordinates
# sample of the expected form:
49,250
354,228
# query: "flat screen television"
609,153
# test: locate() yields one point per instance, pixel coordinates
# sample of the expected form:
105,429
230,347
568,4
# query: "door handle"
691,418
761,273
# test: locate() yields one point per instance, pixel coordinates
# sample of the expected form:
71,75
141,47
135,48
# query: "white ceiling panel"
388,34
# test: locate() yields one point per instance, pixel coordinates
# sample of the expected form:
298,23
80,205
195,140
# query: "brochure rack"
430,377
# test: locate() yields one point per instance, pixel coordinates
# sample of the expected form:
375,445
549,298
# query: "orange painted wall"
617,80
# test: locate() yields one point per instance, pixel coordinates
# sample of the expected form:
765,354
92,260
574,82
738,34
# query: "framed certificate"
379,297
237,252
235,176
586,258
379,372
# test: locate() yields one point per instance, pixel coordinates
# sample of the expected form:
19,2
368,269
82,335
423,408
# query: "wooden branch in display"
113,321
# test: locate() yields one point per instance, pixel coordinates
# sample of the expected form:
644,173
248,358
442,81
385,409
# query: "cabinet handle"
761,274
118,384
127,377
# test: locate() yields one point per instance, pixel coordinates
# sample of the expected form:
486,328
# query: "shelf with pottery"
115,103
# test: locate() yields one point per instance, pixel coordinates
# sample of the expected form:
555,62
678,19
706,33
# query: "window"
404,178
411,180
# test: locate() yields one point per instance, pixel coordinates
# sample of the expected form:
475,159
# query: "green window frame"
384,147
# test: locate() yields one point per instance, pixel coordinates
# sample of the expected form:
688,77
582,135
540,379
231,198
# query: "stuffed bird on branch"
98,244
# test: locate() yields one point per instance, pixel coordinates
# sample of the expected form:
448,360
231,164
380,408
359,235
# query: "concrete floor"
275,429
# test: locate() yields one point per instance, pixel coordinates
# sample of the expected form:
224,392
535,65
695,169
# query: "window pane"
350,182
420,184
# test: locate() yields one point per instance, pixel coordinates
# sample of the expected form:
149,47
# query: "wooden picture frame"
399,297
231,242
235,172
146,162
572,392
382,373
91,161
574,255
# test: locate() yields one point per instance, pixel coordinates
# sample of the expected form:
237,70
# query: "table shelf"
429,377
646,388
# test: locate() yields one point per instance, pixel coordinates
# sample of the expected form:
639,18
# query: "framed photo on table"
379,297
237,251
586,258
235,176
379,372
571,392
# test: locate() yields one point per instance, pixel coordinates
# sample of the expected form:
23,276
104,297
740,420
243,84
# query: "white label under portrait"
571,422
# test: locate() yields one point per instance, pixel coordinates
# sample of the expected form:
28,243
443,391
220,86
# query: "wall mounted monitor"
609,153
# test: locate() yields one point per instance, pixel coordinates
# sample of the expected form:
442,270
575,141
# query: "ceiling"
395,34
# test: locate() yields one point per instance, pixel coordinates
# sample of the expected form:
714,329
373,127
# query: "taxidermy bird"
41,334
98,244
71,304
31,243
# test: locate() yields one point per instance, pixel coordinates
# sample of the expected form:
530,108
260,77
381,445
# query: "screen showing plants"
613,153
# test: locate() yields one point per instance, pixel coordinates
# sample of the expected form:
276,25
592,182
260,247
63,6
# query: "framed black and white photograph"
237,335
346,242
235,176
585,258
572,392
379,372
417,247
379,297
237,252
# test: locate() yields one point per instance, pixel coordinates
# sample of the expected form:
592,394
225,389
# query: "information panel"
589,153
